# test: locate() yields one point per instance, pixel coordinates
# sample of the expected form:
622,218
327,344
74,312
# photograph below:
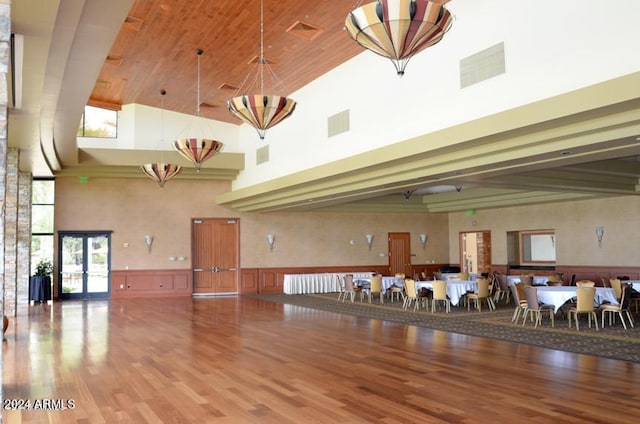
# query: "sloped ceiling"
578,146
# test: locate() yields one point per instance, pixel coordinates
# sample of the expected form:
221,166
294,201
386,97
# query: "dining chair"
502,291
412,296
535,308
483,294
526,279
517,293
616,285
340,287
622,306
395,291
585,283
350,290
440,296
554,280
463,276
375,288
585,305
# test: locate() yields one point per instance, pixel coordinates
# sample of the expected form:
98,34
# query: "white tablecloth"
317,283
387,282
559,295
537,279
634,283
446,275
455,289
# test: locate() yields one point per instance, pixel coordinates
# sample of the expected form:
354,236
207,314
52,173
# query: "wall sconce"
599,235
148,240
369,240
423,239
270,240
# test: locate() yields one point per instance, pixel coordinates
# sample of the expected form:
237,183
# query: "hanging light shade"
197,150
261,111
398,29
159,171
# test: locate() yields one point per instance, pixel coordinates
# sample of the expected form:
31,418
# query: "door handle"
197,270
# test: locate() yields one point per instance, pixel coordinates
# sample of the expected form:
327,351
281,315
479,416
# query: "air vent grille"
483,65
338,123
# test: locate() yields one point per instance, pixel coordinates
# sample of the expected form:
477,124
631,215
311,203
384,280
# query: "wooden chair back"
348,283
376,284
586,298
440,290
483,287
410,288
616,284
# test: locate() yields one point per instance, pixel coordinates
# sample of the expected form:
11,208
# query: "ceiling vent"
133,23
262,155
228,86
304,30
338,123
103,84
114,60
483,65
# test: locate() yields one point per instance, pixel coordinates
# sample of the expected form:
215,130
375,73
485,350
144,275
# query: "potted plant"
40,282
44,268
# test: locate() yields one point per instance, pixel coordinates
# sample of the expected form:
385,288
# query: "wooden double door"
216,255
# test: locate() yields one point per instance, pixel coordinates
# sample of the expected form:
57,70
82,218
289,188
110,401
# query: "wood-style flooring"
245,360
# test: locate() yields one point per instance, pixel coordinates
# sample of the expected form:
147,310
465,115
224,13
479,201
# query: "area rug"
611,342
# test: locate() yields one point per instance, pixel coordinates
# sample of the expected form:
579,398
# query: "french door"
84,264
215,247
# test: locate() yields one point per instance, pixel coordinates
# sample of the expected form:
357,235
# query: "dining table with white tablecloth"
559,295
634,283
318,282
538,280
455,276
387,281
455,288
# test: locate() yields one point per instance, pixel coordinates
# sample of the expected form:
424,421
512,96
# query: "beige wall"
135,207
574,224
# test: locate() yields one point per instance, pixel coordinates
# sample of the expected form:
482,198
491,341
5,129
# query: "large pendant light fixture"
398,29
261,111
198,150
161,172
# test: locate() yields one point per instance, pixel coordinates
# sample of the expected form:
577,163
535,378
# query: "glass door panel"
84,265
97,264
71,271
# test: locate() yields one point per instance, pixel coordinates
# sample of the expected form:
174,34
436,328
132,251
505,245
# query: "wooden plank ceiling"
155,49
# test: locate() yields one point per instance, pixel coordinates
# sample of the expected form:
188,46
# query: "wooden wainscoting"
151,283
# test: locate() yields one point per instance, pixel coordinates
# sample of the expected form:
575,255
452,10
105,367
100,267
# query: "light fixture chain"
261,46
199,53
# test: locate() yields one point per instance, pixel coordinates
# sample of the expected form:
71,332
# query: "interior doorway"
216,255
399,253
475,251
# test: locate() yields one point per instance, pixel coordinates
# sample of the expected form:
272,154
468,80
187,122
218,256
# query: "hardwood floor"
244,360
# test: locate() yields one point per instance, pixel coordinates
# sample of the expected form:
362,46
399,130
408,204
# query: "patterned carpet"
611,342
